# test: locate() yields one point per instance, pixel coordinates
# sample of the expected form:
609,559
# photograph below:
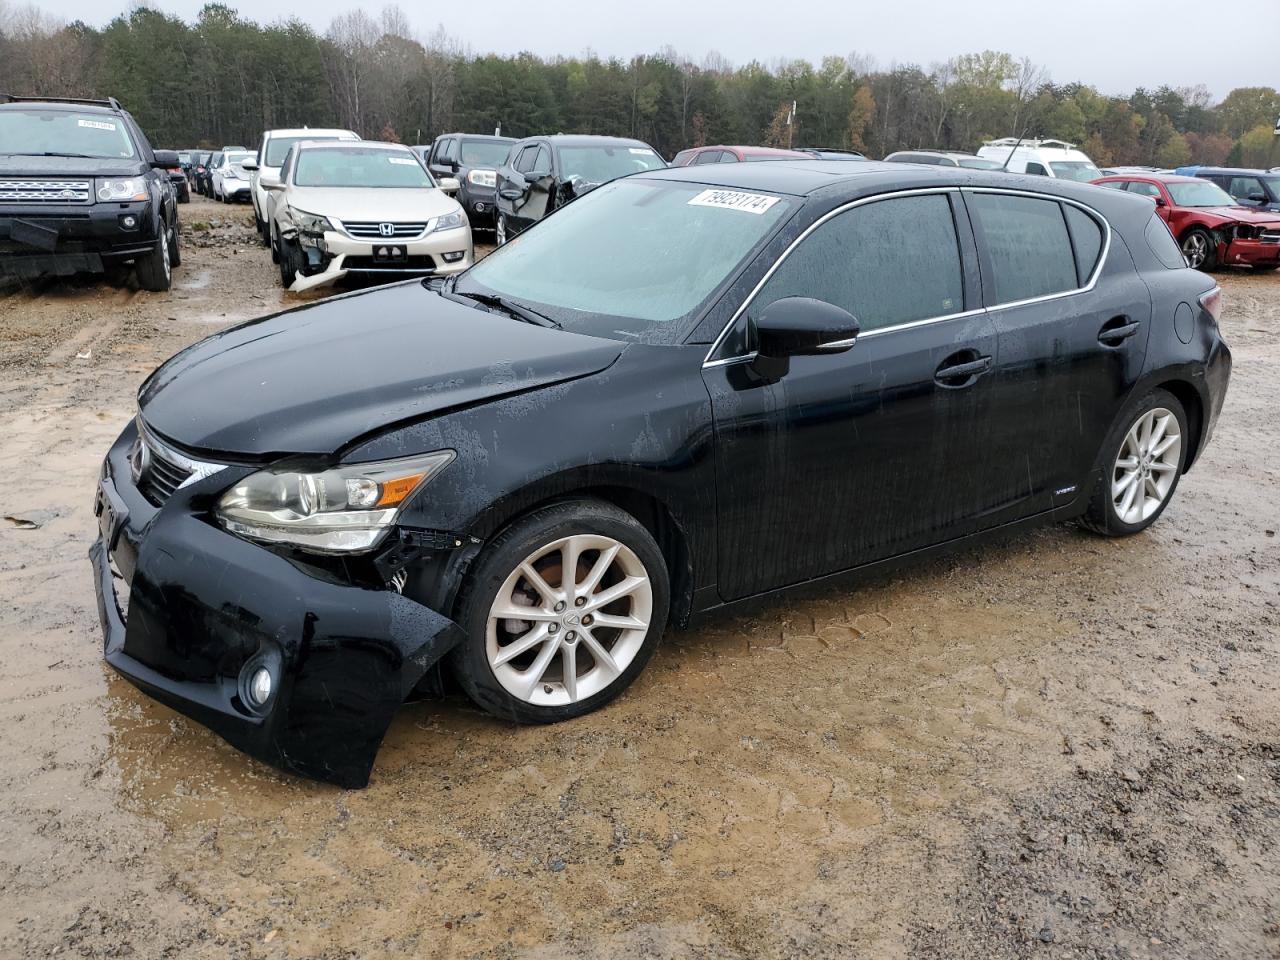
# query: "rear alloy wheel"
1199,249
1144,470
562,613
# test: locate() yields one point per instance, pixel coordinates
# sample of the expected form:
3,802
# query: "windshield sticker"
97,124
402,161
733,200
641,151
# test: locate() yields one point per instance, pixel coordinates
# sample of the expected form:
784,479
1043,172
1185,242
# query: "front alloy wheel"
500,230
569,620
561,612
1197,247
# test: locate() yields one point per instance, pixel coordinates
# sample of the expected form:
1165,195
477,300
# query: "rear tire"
1200,249
571,661
1142,461
175,251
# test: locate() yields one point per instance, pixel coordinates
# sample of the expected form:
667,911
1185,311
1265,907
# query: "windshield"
1199,194
277,147
239,156
601,164
977,163
484,153
359,167
36,132
1080,170
630,259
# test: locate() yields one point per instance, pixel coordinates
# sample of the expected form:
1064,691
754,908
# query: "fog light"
481,208
128,221
260,686
453,257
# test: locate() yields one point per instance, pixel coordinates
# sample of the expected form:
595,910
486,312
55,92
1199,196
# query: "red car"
723,154
1208,224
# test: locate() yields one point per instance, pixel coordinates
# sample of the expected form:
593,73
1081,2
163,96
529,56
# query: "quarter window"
1036,169
888,262
1086,238
1027,246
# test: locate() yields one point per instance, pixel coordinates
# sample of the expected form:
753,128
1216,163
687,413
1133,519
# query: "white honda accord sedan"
363,207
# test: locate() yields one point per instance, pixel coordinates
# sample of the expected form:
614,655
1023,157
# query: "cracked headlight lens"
451,221
310,222
344,510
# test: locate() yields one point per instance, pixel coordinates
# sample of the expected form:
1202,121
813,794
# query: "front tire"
1144,456
289,266
155,270
1199,248
543,646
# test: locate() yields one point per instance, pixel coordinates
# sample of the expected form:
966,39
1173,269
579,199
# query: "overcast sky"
1116,45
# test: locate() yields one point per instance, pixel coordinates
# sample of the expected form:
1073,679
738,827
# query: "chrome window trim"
919,191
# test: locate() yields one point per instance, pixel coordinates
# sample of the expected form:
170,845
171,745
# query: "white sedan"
362,207
230,179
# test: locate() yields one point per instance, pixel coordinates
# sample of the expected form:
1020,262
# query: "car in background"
942,158
178,177
214,161
363,207
724,154
1042,158
271,152
685,390
1210,227
542,174
198,171
1112,171
473,159
229,180
81,190
832,153
1259,189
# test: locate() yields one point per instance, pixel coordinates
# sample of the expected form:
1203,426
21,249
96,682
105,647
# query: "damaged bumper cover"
333,255
205,610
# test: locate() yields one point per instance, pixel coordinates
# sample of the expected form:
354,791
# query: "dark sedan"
689,388
542,174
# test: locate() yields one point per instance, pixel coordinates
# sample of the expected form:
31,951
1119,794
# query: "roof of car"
69,106
349,145
479,136
940,153
1254,170
1151,175
866,177
588,140
754,151
307,131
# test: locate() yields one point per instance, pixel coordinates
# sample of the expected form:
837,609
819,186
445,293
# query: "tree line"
222,79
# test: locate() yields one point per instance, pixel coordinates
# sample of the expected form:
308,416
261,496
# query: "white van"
1045,158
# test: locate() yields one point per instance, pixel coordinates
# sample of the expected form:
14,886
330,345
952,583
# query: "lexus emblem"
139,460
387,229
571,618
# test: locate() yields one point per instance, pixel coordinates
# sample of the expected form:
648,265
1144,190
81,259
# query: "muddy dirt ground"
1057,746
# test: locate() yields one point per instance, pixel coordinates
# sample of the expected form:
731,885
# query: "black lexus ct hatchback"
687,388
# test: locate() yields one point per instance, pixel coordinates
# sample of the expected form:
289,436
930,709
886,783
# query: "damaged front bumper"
332,256
205,610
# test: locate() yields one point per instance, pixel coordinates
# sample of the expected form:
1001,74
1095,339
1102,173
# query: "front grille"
1269,236
44,191
372,230
159,470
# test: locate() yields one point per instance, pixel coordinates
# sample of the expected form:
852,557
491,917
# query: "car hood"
18,164
377,204
1242,214
314,379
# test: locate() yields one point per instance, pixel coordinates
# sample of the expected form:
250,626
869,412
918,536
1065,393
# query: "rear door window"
1028,250
1143,188
889,262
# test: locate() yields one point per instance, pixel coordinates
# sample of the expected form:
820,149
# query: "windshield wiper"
517,310
50,153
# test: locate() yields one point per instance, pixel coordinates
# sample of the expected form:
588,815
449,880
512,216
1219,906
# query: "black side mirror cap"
798,327
165,158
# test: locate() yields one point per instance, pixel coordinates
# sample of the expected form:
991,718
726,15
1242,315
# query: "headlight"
311,222
118,191
483,178
343,510
450,221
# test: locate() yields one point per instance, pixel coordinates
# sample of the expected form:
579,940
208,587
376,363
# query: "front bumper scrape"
204,604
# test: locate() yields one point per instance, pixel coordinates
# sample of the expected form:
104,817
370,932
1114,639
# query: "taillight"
1212,303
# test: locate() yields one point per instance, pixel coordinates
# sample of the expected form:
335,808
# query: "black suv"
82,190
474,159
1259,189
543,173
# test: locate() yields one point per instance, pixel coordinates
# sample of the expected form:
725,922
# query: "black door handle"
962,374
1116,330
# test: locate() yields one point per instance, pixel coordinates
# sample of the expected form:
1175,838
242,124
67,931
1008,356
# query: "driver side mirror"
165,158
270,181
250,165
1159,201
800,327
449,184
1258,197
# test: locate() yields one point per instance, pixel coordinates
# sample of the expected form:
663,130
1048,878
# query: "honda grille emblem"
387,229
